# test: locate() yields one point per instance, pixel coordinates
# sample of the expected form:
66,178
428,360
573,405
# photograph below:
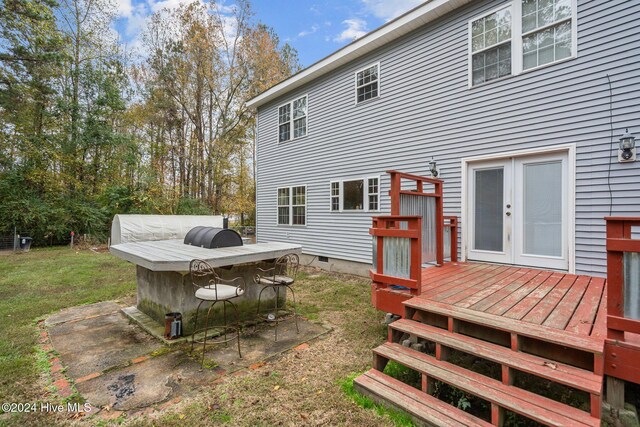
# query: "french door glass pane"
543,208
489,198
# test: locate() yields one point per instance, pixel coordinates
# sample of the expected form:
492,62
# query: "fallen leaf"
257,365
303,379
181,416
276,388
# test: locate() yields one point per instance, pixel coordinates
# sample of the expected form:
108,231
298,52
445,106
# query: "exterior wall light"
627,152
433,168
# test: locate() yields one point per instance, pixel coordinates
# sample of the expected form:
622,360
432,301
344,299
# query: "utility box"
25,243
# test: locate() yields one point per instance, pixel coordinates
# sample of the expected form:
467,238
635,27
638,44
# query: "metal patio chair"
282,275
210,287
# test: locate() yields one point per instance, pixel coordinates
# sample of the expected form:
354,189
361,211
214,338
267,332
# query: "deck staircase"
433,338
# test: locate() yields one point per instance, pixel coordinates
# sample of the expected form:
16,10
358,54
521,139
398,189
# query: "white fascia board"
400,26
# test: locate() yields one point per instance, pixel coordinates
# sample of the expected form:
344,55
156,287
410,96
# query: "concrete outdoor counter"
174,255
164,285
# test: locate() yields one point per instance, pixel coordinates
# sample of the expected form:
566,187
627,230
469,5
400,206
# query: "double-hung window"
519,37
368,83
491,46
335,196
292,119
355,195
373,193
292,205
546,31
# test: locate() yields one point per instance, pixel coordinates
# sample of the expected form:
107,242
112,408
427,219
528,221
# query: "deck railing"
451,244
623,298
406,193
397,251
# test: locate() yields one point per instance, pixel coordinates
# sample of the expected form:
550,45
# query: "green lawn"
40,282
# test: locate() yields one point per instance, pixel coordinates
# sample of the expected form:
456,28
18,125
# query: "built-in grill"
212,237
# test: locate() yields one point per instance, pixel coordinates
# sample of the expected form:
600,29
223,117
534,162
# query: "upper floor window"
355,195
292,205
491,46
519,37
546,31
368,83
292,120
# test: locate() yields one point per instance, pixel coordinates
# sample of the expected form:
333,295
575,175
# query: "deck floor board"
481,290
563,312
572,303
527,304
544,308
503,293
585,315
575,303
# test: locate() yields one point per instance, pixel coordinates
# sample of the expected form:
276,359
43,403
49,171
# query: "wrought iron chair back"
204,276
285,267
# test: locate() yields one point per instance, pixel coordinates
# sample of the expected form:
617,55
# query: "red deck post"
439,224
621,355
453,226
394,192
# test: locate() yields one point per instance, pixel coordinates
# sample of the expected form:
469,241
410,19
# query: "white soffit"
400,26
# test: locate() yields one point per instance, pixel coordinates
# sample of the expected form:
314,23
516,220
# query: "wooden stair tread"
544,333
413,401
538,408
580,379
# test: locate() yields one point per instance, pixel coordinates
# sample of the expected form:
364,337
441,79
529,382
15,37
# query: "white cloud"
389,9
356,28
314,28
136,21
167,4
123,8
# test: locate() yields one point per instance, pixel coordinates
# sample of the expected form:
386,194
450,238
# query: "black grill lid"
212,237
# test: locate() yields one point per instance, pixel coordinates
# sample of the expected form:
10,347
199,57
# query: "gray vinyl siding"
427,109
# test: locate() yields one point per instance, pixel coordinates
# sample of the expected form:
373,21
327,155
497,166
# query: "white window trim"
355,81
517,67
290,104
365,183
290,205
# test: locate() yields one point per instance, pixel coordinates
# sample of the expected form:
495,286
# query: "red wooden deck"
574,303
548,324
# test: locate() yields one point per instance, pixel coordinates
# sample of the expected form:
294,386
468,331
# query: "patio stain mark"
123,387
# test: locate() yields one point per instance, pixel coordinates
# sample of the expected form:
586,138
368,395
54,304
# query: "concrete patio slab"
116,365
143,384
82,312
98,342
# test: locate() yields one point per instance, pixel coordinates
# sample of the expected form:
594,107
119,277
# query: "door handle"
508,214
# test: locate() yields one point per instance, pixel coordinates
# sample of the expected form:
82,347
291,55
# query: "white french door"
518,211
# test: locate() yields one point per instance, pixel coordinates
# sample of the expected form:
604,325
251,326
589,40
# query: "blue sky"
316,28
